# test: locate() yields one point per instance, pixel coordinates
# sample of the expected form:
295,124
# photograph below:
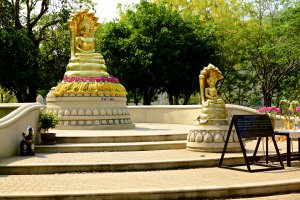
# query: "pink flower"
263,110
114,80
271,111
90,78
98,79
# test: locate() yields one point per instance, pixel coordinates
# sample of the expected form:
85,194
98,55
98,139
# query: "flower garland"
69,79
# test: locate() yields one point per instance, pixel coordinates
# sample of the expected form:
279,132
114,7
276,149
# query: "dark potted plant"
47,120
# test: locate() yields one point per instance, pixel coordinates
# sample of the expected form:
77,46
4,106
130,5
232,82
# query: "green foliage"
34,44
289,26
6,16
47,120
238,87
7,97
153,49
156,48
269,45
258,43
18,61
55,54
220,21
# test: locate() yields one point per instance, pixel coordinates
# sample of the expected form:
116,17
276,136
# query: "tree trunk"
32,94
20,96
267,97
186,99
170,98
146,98
267,100
136,101
176,100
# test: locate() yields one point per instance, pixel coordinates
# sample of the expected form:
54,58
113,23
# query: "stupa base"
90,112
211,138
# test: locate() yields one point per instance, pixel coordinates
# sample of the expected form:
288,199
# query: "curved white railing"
13,124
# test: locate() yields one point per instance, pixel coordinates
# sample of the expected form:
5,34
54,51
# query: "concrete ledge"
99,127
186,114
178,114
98,147
124,138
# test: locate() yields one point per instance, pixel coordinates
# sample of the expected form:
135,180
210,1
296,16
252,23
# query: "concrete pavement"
191,183
173,184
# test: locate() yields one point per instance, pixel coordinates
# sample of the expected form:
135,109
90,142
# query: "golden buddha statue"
86,72
88,97
84,62
213,107
211,91
85,43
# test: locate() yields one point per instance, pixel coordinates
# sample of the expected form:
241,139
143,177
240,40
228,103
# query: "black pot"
48,138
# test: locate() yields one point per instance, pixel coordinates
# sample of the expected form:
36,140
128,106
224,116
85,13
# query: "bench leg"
299,148
288,150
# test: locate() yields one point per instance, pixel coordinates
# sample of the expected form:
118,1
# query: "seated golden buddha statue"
211,91
84,62
85,43
213,107
86,72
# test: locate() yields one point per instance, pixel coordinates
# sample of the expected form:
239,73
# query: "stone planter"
48,138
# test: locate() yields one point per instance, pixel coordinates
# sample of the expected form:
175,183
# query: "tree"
18,63
259,49
222,20
271,53
123,60
152,49
55,55
288,23
30,22
181,70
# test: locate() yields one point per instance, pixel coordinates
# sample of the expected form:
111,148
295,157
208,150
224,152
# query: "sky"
106,10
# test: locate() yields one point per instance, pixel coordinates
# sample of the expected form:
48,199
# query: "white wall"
165,114
184,114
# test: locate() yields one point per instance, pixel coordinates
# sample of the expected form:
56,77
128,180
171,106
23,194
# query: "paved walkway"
108,157
166,181
212,179
184,183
